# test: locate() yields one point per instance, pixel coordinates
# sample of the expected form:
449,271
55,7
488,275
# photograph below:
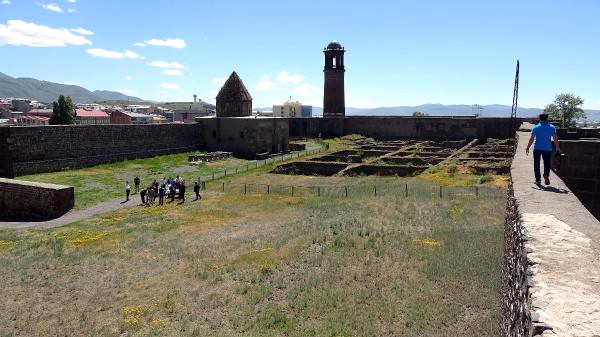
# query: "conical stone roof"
234,90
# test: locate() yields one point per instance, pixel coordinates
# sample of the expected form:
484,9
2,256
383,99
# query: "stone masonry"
24,199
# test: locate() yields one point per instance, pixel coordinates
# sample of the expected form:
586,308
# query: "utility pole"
513,114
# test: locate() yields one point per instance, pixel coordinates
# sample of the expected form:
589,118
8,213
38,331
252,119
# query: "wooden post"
247,167
226,172
213,176
346,190
375,190
236,170
292,190
204,185
245,190
406,190
268,189
440,192
223,186
318,191
477,191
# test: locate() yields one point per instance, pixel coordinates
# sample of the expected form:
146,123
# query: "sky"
398,52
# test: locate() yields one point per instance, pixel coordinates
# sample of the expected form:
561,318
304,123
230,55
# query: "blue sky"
398,52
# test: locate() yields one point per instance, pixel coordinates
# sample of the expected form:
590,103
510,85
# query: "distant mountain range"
44,91
493,110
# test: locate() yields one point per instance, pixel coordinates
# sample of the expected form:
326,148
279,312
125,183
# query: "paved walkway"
564,239
75,214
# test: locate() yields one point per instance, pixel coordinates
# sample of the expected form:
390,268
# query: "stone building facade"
233,99
246,137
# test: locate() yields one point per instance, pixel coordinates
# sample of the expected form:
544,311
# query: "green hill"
45,91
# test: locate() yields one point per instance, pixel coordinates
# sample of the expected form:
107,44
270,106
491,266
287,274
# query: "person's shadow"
550,189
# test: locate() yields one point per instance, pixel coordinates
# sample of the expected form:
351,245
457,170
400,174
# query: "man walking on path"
136,183
543,134
127,190
197,190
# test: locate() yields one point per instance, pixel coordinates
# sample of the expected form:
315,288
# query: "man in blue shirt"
543,134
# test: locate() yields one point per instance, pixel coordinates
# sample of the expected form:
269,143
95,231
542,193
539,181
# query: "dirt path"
74,214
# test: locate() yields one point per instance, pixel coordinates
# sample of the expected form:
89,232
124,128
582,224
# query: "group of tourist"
165,188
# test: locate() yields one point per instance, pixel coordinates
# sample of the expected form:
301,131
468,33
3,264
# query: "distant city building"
186,112
33,120
142,109
20,104
157,119
334,104
292,110
233,99
89,116
127,117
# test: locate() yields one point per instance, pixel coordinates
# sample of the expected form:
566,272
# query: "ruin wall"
25,199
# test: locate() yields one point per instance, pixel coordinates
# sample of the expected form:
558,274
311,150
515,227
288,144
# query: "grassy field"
262,265
106,182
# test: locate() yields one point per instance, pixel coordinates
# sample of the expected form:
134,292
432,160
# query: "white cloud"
265,84
126,54
592,106
285,77
307,90
139,44
175,43
82,31
172,72
165,64
5,2
220,80
71,10
171,86
72,1
51,7
128,78
127,92
21,33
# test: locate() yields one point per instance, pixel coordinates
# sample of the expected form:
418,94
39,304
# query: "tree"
419,114
62,111
566,108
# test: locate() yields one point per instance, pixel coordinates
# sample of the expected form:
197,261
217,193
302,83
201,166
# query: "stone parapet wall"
50,148
24,199
579,168
516,305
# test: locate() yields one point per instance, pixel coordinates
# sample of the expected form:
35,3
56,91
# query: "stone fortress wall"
26,150
401,127
52,148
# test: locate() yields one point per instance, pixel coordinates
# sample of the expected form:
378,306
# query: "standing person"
127,190
197,190
543,134
143,195
136,183
172,192
182,191
161,195
151,195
